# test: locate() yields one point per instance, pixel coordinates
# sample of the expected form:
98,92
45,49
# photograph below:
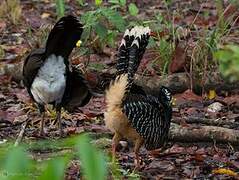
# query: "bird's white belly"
50,82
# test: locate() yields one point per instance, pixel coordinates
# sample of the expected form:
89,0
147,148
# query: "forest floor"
183,159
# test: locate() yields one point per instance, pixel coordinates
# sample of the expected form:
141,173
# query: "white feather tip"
136,42
127,32
123,43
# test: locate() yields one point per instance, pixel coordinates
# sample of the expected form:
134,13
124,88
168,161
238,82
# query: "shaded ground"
179,161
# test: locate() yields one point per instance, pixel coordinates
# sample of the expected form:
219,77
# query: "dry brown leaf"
178,59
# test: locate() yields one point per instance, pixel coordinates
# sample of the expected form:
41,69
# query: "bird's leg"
42,124
42,133
58,119
115,142
138,144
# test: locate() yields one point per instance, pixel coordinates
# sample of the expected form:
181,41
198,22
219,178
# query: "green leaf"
16,165
54,170
89,18
228,58
98,2
60,8
16,160
115,18
86,34
111,38
122,2
133,10
114,1
101,30
92,161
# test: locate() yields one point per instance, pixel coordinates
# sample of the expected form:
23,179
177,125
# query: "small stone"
124,144
215,107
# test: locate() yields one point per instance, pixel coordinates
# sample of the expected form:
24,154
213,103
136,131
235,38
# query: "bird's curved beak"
78,43
173,101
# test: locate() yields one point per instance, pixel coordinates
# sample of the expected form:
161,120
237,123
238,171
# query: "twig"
195,18
20,135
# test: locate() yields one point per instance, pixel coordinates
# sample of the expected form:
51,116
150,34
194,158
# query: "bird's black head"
165,95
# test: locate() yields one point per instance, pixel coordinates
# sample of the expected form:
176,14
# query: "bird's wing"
148,120
31,66
77,93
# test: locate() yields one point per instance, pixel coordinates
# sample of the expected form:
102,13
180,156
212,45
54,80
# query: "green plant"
60,8
17,164
164,49
133,10
11,9
102,24
228,58
93,162
208,43
101,27
162,45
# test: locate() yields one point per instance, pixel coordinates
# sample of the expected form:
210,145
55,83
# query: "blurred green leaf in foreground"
228,58
16,162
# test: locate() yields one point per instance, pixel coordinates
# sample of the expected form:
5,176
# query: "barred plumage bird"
142,118
47,74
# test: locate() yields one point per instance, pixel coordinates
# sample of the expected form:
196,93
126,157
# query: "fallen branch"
203,134
20,135
179,82
192,134
229,123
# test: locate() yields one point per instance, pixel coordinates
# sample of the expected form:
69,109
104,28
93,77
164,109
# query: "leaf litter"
181,160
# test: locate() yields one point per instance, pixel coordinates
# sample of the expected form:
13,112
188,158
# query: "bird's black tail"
131,51
64,36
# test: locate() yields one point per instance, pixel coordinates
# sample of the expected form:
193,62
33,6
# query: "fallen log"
179,82
192,134
228,123
203,134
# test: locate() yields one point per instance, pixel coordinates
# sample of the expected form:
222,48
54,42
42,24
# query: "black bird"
131,113
47,74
